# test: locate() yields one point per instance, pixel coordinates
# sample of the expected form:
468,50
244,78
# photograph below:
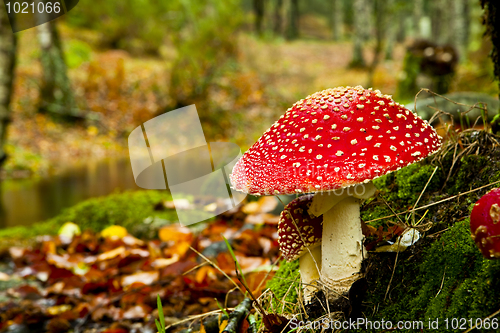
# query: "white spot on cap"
339,153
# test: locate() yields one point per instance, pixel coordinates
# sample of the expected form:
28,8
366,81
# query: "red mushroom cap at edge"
292,245
485,224
332,139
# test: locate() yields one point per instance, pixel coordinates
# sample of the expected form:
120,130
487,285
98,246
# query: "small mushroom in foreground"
336,141
299,236
485,224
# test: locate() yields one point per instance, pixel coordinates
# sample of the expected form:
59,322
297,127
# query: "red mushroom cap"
485,224
332,139
294,243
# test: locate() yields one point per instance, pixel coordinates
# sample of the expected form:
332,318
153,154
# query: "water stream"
26,201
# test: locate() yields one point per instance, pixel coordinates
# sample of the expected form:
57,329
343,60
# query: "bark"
235,318
278,19
7,64
258,7
337,20
293,28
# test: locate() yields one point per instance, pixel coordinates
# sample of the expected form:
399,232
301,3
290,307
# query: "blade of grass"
158,326
160,314
221,308
235,259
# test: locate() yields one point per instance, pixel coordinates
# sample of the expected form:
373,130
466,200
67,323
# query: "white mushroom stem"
342,242
310,271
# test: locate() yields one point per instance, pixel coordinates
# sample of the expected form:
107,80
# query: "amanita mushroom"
299,237
331,140
485,224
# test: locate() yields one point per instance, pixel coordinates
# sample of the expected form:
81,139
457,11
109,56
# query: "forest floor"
121,91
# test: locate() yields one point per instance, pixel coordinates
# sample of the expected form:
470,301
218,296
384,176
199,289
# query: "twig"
239,312
422,193
393,270
442,283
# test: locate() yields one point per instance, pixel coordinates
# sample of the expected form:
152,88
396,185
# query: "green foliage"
286,281
129,209
205,43
76,53
135,25
25,160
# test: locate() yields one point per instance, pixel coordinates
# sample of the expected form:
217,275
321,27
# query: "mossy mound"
442,276
136,211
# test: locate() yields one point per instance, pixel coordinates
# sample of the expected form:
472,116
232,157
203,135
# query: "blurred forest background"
73,89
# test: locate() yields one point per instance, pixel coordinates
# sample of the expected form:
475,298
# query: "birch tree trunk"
56,95
7,64
360,20
336,17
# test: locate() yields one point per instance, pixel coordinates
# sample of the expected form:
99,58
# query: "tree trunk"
278,19
258,7
442,21
336,17
390,30
360,20
460,27
7,64
381,18
56,96
418,6
491,20
293,28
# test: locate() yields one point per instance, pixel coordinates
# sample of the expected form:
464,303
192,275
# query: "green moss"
286,282
128,209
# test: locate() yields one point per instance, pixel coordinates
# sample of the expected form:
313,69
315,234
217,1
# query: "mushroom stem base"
310,268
